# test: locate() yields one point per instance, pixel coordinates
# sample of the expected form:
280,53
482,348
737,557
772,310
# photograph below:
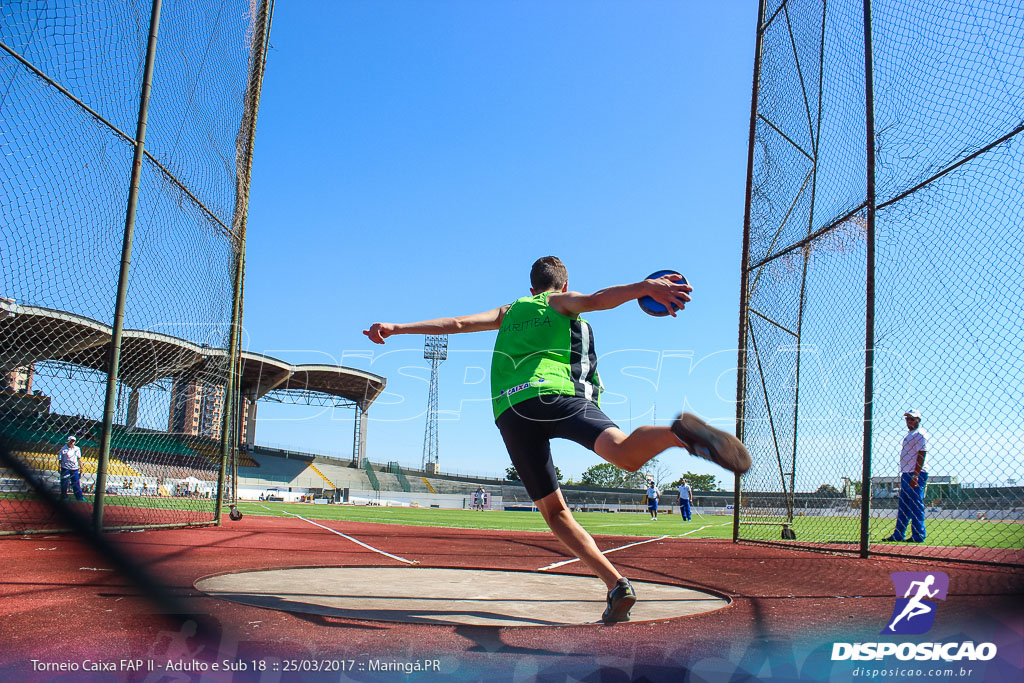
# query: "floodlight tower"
435,349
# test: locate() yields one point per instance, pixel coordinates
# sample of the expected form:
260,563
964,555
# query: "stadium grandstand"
287,475
181,460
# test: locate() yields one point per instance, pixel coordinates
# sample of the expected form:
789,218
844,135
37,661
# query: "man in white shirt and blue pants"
913,480
70,470
652,499
685,492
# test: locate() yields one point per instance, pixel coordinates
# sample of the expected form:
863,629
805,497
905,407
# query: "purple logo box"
916,593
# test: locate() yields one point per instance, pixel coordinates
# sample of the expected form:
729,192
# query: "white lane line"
356,541
708,526
575,559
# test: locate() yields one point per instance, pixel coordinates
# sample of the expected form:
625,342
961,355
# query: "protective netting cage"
126,133
881,274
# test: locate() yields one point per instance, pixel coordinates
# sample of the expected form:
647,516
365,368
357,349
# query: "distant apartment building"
197,408
19,380
16,392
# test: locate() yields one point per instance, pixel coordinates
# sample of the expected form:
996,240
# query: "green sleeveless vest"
540,351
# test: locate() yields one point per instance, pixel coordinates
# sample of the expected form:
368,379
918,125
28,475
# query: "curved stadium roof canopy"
32,334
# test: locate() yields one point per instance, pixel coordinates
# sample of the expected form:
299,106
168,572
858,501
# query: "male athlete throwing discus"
544,385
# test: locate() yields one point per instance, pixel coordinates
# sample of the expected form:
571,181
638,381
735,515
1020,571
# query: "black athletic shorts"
528,428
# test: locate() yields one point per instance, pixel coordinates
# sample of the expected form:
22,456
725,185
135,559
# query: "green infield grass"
841,530
610,523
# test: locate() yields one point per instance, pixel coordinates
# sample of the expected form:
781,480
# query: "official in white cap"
685,496
652,499
70,469
913,480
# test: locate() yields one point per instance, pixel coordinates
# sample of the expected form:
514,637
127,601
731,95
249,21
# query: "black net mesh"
948,105
71,76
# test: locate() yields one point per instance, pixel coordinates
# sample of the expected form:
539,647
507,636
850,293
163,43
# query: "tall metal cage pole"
435,349
260,38
816,138
741,363
869,323
126,259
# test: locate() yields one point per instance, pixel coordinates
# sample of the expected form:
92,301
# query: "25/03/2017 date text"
329,665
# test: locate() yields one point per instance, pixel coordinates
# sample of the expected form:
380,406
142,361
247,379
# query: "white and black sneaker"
620,600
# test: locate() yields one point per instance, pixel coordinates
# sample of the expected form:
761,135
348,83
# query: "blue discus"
652,307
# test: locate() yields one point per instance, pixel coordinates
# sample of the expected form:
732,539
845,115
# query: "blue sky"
414,158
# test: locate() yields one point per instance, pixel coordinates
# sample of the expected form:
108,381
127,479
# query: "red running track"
59,601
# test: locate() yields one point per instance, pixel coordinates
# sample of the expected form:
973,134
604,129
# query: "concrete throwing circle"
449,596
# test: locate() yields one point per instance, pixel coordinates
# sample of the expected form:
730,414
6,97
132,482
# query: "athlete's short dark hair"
547,273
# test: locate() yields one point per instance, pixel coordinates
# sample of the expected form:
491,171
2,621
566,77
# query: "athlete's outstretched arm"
478,322
667,291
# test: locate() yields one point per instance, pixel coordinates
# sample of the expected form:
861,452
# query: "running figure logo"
914,612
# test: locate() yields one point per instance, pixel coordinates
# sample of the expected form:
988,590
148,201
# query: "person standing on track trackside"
913,481
544,385
70,470
652,500
685,494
